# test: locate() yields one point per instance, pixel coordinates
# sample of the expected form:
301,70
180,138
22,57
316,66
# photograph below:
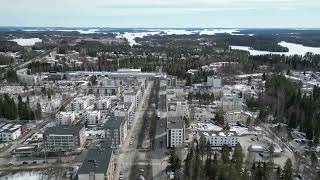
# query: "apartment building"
64,138
65,118
103,103
79,103
175,132
10,131
126,110
116,131
98,164
218,139
91,117
214,81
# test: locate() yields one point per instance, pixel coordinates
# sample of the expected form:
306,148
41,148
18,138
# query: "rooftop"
74,129
175,123
114,122
97,160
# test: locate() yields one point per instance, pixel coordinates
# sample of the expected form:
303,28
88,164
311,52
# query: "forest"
202,163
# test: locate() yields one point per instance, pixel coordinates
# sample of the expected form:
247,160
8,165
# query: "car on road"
10,164
141,170
130,143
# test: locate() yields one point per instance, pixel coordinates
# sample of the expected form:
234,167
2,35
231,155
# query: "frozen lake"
293,49
23,175
130,36
27,42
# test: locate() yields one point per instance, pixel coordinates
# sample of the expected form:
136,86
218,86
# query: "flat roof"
64,130
114,122
174,123
97,160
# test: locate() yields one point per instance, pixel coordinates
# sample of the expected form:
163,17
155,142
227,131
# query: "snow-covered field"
293,49
27,42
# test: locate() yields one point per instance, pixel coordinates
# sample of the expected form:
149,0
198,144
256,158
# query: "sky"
162,13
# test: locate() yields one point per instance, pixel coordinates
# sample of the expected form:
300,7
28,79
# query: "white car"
130,143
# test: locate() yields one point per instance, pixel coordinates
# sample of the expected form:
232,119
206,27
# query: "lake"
293,49
27,42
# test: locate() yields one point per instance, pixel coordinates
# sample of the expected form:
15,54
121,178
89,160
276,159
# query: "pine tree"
238,156
38,112
287,170
225,154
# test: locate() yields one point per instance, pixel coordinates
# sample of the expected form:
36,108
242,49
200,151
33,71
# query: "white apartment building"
175,132
218,139
79,103
92,117
132,95
10,132
102,103
66,118
234,116
24,77
231,102
125,110
214,81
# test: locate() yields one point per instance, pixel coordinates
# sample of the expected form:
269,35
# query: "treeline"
203,98
5,60
10,46
258,42
283,99
8,108
202,163
280,62
11,110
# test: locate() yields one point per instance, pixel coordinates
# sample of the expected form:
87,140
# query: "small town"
160,90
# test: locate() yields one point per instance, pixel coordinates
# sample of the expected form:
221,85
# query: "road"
128,154
37,58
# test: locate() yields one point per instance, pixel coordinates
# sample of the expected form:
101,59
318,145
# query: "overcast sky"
162,13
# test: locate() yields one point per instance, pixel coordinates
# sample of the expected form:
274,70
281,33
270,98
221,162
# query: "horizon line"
101,27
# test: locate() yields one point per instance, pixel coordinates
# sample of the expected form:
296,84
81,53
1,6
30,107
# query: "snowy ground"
27,42
293,49
13,90
130,36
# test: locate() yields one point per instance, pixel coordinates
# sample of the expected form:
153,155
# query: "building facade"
175,132
64,138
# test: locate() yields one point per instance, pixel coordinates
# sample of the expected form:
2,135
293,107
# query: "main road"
128,154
